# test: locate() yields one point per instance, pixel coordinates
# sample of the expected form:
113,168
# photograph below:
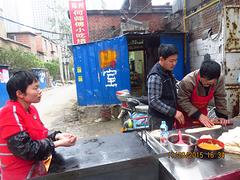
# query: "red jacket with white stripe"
13,120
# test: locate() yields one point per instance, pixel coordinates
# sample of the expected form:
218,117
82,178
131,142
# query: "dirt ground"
59,111
84,127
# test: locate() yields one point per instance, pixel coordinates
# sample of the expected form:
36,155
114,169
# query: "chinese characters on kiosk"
111,77
78,16
80,35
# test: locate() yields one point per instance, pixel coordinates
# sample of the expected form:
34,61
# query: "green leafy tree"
18,59
53,68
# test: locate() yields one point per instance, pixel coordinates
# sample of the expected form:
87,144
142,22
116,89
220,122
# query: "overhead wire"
39,29
134,15
52,32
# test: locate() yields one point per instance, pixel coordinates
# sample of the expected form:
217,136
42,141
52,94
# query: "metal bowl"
190,141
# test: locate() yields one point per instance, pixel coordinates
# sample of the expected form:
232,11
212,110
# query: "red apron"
200,102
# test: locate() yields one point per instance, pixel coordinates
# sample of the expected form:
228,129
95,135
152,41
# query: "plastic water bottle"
163,133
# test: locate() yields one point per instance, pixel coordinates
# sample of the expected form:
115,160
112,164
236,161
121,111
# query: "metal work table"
196,168
120,156
127,156
107,149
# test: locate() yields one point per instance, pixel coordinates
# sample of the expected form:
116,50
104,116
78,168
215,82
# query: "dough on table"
200,129
231,140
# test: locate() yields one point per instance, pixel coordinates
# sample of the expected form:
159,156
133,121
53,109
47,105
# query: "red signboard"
78,16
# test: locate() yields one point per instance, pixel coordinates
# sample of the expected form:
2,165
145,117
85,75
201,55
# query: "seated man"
25,142
196,91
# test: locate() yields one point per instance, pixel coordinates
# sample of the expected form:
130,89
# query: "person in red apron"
25,144
196,90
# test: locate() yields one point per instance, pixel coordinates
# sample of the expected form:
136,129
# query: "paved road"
55,104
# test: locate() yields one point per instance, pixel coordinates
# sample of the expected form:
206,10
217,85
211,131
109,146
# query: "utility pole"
60,44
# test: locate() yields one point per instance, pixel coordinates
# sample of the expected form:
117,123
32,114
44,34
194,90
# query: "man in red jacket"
24,141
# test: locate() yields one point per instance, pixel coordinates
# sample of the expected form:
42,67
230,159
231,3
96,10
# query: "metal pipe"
184,15
185,35
201,9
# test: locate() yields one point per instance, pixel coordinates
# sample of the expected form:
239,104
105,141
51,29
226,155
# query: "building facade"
43,47
47,49
133,16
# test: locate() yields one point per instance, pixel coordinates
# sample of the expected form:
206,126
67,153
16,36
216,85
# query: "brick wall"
209,18
27,39
107,26
204,20
39,42
102,26
23,38
47,49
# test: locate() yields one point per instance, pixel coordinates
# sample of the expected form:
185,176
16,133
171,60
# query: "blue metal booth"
103,67
42,76
4,77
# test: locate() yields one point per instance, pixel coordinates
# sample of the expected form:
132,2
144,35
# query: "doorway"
143,54
137,72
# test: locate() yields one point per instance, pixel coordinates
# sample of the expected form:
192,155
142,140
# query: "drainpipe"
184,16
185,36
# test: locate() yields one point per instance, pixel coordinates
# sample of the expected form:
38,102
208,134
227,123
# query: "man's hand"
179,117
205,121
221,121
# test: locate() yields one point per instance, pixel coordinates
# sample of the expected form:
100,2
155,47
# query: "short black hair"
210,69
20,80
166,50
